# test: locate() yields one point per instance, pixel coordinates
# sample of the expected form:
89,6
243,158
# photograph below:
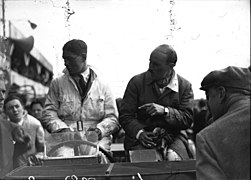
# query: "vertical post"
3,10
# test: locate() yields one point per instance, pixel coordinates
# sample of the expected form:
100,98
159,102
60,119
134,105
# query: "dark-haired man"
80,95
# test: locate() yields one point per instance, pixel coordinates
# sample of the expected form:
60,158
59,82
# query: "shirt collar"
86,74
174,83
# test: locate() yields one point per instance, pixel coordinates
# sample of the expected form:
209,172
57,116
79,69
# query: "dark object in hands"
22,139
21,146
97,130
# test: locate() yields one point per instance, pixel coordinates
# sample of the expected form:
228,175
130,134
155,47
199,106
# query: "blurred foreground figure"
10,133
223,148
80,96
157,106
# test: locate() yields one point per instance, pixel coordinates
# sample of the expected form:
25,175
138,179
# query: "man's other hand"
147,139
97,130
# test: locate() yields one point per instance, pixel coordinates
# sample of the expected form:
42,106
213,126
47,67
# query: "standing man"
80,96
223,148
157,105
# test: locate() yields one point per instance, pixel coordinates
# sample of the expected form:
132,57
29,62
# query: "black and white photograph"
125,89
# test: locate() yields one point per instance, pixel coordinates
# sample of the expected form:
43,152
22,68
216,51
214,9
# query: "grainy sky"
207,34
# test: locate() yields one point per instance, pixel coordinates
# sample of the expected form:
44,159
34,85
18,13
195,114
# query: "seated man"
156,106
80,96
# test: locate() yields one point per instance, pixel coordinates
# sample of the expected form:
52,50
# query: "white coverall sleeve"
50,119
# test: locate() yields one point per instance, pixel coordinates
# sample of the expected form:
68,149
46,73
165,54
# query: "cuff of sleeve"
140,131
56,125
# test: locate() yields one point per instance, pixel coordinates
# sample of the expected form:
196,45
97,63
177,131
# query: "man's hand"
147,139
97,130
36,159
153,109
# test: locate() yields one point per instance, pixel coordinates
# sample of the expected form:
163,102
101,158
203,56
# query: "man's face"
75,64
158,66
37,111
2,94
14,110
214,103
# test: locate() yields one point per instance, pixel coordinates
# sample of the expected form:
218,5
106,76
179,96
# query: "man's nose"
66,62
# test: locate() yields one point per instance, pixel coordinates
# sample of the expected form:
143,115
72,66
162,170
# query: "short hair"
13,97
75,46
36,101
169,51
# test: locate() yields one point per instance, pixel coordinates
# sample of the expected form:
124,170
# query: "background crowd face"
37,111
15,110
2,94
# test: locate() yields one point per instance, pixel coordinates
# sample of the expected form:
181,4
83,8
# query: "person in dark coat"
223,148
157,105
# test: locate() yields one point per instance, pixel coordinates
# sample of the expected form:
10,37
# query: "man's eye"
17,106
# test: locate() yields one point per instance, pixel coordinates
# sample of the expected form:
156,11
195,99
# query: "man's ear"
222,93
84,55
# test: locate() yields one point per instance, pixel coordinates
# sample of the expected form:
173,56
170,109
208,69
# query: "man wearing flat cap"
157,107
223,148
80,97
